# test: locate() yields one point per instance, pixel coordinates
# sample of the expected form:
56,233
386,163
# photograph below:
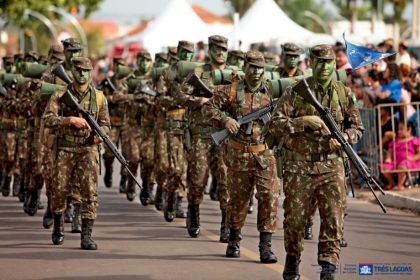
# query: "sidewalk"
408,199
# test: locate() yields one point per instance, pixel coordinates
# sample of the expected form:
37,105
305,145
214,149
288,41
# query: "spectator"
363,98
403,55
390,92
341,59
387,122
403,154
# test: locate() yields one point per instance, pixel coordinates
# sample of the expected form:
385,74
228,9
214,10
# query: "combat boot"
144,193
179,212
131,190
233,248
224,230
68,214
213,189
193,220
47,219
16,185
251,205
123,184
58,230
169,209
86,237
308,232
5,188
21,193
158,198
108,177
343,243
291,268
33,201
266,255
75,224
26,202
327,270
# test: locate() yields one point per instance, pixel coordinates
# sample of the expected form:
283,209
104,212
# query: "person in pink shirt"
341,58
403,154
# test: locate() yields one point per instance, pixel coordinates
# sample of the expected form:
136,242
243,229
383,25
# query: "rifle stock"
305,91
199,85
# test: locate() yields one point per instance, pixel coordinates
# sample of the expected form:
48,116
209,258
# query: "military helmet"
186,45
218,40
82,63
255,58
322,51
72,44
292,49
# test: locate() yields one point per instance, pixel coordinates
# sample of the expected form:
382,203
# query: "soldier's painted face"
144,64
159,62
253,74
291,61
82,76
8,67
71,54
185,55
323,69
236,61
218,54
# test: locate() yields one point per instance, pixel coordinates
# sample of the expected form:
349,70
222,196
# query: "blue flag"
361,56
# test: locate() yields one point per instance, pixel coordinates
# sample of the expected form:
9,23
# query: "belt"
247,148
312,157
202,130
175,112
171,124
74,141
116,119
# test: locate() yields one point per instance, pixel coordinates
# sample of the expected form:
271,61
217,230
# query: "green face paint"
185,55
71,54
8,67
253,75
144,64
291,61
218,54
81,76
322,70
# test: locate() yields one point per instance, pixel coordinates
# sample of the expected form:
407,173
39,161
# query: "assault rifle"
107,83
263,114
200,88
3,91
70,101
304,90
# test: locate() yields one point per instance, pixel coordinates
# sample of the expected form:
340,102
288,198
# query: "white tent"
266,22
176,22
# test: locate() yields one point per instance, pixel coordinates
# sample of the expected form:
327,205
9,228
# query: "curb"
392,199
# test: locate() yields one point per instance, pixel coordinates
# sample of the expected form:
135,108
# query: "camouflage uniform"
311,168
77,157
289,49
249,162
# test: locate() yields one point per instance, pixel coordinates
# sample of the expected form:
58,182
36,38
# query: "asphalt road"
136,243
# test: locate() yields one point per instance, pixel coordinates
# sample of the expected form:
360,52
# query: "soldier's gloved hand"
334,144
315,123
79,123
232,125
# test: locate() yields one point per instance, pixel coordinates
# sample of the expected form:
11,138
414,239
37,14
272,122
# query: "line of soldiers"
162,121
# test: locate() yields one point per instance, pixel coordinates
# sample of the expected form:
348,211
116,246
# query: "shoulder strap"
233,92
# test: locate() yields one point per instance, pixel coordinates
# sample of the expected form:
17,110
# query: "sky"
133,11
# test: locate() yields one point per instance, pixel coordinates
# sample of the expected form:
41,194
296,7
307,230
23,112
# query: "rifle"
200,88
146,89
303,88
107,82
70,101
263,114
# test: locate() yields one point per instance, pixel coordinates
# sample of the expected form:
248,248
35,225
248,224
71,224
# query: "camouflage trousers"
116,134
177,172
125,142
142,150
221,175
202,160
34,168
10,155
48,157
329,192
241,184
161,165
80,167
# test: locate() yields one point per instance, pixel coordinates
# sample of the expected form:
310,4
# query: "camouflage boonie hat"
218,40
31,54
236,53
18,56
82,63
72,44
322,51
56,51
186,45
162,56
268,56
144,54
255,58
8,59
292,49
119,61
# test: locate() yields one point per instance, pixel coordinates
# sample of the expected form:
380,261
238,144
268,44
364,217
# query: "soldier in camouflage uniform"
314,162
249,161
175,124
235,59
290,57
117,105
161,60
77,155
161,148
269,59
44,162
